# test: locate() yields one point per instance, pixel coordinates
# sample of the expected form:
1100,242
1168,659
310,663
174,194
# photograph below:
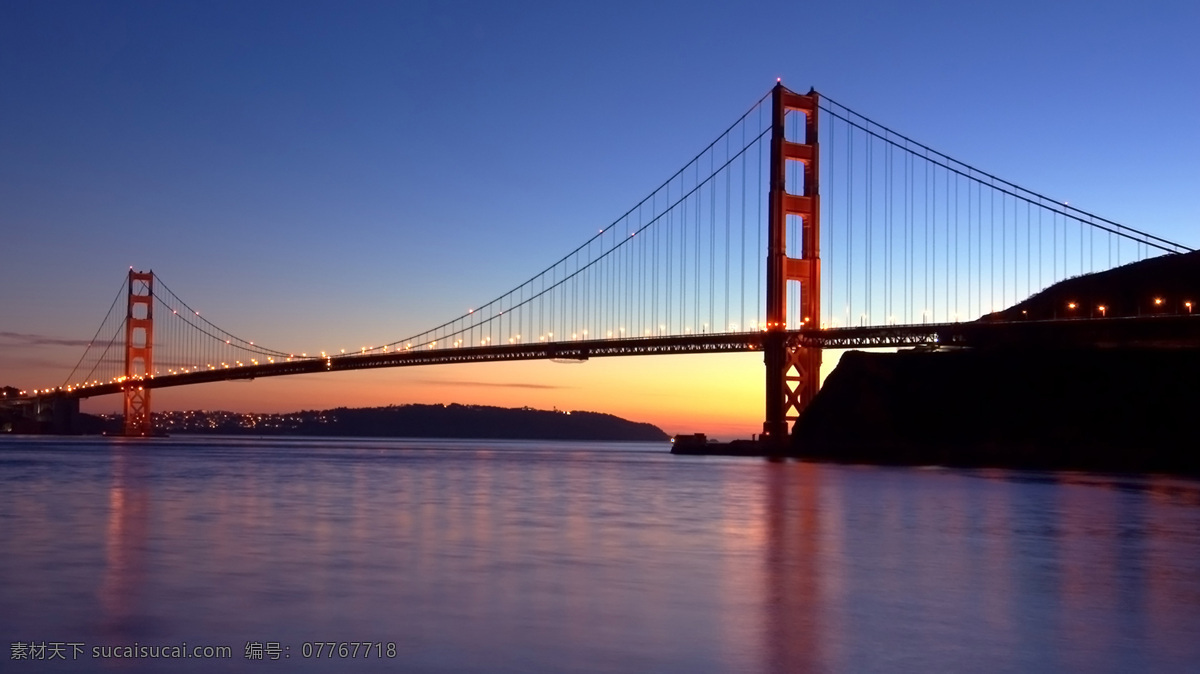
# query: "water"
544,557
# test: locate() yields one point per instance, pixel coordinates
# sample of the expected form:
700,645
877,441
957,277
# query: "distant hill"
1129,290
416,421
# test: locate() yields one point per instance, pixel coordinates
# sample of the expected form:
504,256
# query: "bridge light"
1103,309
1070,305
1158,301
1189,306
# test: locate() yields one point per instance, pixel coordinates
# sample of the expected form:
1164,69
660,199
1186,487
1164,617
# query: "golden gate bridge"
803,226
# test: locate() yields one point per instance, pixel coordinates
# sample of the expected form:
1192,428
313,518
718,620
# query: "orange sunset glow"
717,394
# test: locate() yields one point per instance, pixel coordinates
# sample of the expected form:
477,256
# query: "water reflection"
879,568
793,607
534,558
125,548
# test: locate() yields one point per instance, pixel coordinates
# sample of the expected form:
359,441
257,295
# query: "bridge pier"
793,377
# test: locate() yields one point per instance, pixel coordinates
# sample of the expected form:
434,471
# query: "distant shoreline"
450,421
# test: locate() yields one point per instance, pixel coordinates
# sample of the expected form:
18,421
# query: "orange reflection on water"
794,606
125,546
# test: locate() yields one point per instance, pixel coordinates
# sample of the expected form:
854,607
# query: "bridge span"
1176,331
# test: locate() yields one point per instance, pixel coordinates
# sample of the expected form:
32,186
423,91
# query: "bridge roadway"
1176,331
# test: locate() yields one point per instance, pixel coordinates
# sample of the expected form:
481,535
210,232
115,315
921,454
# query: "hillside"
1129,290
416,421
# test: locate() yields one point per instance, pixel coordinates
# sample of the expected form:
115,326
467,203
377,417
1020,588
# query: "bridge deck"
1152,331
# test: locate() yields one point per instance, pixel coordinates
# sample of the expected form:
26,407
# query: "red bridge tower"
793,371
139,352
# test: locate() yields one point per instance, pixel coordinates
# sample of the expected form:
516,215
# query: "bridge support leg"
793,371
139,353
793,376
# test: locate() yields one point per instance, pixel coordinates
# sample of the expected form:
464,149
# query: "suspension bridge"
803,226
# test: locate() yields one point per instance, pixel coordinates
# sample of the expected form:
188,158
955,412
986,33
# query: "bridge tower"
793,371
139,352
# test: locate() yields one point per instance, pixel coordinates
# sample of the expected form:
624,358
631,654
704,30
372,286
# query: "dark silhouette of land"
409,421
1101,409
1113,409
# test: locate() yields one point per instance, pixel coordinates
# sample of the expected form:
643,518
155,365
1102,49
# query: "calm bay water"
546,557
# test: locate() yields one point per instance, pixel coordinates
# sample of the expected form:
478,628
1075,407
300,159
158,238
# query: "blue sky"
316,175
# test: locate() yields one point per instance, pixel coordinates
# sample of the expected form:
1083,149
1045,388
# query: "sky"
317,176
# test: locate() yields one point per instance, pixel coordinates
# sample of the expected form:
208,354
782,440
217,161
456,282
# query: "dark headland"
1120,408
